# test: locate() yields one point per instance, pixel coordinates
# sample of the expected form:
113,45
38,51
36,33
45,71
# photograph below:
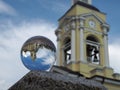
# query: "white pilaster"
73,45
73,25
105,29
58,48
81,45
82,39
58,53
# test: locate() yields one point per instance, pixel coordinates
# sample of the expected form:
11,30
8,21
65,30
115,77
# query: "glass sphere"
38,53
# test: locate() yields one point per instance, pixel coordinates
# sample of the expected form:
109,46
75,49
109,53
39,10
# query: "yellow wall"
77,11
111,86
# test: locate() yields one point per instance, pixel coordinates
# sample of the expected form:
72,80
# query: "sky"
22,19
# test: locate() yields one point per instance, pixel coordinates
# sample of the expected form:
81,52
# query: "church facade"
82,43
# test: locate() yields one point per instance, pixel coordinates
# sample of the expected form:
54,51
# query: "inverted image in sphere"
38,53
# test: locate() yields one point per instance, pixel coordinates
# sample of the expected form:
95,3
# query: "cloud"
6,8
12,38
2,84
114,55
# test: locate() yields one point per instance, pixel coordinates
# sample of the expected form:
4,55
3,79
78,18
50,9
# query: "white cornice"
94,31
94,15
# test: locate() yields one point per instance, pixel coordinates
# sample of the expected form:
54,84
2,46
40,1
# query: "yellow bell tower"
82,41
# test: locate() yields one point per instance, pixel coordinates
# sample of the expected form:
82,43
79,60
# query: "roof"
104,79
84,5
87,6
40,80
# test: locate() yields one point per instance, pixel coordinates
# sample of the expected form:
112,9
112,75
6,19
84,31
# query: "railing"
67,45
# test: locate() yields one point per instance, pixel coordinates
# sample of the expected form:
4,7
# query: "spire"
85,1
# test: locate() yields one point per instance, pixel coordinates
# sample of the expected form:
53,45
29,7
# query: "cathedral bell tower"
82,40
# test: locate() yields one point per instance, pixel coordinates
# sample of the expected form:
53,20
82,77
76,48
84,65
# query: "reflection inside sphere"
38,53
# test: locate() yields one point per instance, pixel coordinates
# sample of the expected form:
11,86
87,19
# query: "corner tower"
82,40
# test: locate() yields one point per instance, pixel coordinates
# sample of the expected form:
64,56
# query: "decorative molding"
73,24
57,31
81,18
116,75
93,31
97,70
108,68
81,27
105,27
65,35
82,21
94,15
67,27
73,62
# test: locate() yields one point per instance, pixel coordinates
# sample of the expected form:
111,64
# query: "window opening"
67,51
92,50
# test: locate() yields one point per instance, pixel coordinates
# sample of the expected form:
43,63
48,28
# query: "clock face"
91,23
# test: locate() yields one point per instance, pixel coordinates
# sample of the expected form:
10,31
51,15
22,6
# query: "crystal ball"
38,53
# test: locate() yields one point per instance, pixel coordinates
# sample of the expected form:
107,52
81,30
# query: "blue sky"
22,19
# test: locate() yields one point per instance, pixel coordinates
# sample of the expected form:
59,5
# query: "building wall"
87,69
112,86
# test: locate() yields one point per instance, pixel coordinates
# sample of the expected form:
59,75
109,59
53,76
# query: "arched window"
67,50
92,50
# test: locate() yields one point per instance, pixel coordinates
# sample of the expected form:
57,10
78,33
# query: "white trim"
93,31
58,53
94,15
106,48
63,57
73,45
82,19
92,43
82,45
67,45
104,25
